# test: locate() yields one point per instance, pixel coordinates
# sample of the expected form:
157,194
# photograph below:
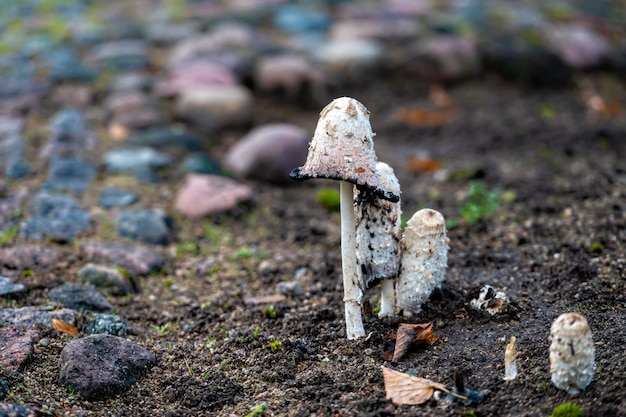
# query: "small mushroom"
378,232
510,366
572,353
424,260
343,149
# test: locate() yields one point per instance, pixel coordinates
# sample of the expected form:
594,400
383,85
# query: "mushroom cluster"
372,247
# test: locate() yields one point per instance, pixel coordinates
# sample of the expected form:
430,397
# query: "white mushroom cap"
572,353
424,260
343,148
378,230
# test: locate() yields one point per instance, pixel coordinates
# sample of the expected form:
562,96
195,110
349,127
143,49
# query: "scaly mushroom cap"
378,230
343,148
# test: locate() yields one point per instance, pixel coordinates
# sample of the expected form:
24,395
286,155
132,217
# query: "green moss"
596,247
269,312
567,409
328,198
482,202
8,235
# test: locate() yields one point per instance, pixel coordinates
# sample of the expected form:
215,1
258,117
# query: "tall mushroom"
343,149
378,232
424,260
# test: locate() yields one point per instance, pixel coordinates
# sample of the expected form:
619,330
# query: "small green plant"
275,346
482,202
256,332
168,282
212,233
269,312
328,198
567,409
257,411
8,235
162,329
186,248
596,247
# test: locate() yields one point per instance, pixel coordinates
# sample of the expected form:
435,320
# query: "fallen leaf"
423,332
64,327
439,97
408,334
264,299
404,389
426,118
603,108
417,164
405,336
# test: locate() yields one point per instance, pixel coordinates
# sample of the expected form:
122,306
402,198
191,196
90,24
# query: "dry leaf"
404,389
265,299
603,108
439,97
417,164
423,332
64,327
407,334
404,338
426,118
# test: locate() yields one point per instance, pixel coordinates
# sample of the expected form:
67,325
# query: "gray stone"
10,289
28,257
289,288
216,106
107,324
136,260
268,153
106,277
16,169
100,366
69,135
146,225
4,389
55,217
200,163
117,197
29,316
165,137
70,173
133,160
353,58
79,297
122,55
16,346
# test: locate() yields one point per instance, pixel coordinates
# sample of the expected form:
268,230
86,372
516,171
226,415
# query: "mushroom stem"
352,292
387,299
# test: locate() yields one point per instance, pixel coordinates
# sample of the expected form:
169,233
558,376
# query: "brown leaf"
423,332
417,164
404,389
63,327
425,117
404,338
604,108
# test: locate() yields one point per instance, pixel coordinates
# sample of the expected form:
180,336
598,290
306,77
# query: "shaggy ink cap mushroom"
342,148
572,353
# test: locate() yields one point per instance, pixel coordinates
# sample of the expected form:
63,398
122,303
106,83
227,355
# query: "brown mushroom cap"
343,148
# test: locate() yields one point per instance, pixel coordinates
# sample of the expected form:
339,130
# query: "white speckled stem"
387,299
352,293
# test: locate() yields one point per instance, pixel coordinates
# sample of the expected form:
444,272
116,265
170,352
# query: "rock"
290,74
127,54
200,163
79,297
4,389
69,135
289,288
105,277
133,110
166,32
70,173
577,46
215,107
10,206
16,347
107,324
100,366
135,160
202,195
298,19
136,260
29,316
147,225
353,58
55,217
165,138
117,197
268,153
17,410
28,257
135,80
195,75
17,169
376,27
10,289
443,59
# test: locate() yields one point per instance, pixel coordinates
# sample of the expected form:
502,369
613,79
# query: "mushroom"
572,353
424,260
378,232
343,149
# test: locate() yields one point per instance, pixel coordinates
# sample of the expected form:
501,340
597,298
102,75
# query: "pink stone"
194,75
202,195
16,345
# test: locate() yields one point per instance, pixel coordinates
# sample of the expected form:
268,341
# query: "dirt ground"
557,246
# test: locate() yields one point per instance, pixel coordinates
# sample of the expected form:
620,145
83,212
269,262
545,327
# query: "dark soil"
559,246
